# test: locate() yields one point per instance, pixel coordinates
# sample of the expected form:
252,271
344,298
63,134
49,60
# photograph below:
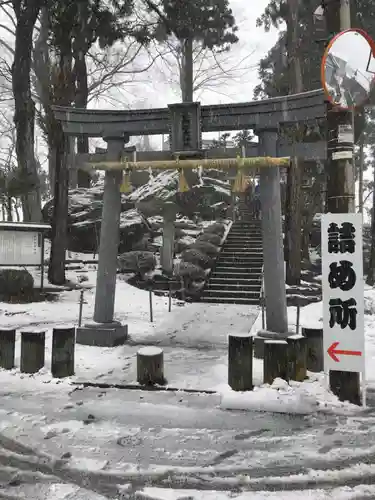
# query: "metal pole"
345,21
42,262
80,308
170,297
263,313
360,177
298,317
340,178
151,311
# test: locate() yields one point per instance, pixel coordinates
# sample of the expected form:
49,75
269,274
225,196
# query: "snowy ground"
59,441
55,444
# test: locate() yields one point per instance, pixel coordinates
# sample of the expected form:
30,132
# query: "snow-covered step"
232,287
239,281
228,300
236,278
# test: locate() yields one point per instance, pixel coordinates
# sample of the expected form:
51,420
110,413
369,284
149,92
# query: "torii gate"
185,123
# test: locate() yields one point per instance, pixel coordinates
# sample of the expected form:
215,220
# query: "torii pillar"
105,331
273,247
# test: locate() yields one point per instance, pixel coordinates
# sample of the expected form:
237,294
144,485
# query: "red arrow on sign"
333,352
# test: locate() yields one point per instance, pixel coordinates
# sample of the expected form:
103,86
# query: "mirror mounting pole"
340,182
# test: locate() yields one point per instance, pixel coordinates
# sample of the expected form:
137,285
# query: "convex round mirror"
348,69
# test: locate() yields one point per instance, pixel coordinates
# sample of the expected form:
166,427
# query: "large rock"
84,221
84,236
207,197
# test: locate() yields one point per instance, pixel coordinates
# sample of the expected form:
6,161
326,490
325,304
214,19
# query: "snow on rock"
163,186
85,208
62,491
85,212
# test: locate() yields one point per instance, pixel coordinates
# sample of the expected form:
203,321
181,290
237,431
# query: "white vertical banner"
343,292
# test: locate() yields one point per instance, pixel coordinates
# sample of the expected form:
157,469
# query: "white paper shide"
343,292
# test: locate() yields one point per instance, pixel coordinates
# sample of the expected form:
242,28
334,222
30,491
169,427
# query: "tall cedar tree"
106,22
286,61
26,12
74,27
210,24
294,173
275,76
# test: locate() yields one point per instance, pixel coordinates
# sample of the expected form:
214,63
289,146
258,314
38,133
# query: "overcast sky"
253,44
253,41
353,48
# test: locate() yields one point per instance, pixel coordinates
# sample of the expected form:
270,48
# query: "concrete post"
167,250
105,331
273,253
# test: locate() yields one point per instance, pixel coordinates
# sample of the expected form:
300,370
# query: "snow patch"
344,493
150,351
299,398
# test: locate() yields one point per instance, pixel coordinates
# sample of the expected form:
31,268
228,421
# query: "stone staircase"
236,277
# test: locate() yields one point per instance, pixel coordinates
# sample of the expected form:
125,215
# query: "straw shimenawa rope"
215,163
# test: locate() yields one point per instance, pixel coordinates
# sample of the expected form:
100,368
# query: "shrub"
16,283
216,228
212,238
197,257
183,243
139,262
189,270
206,248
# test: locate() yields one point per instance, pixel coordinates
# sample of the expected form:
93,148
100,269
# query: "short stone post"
33,345
150,366
240,361
63,345
297,357
275,364
315,356
167,250
7,348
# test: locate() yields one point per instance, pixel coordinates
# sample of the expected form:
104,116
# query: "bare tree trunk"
51,167
56,270
24,116
293,224
294,176
370,280
43,71
9,209
59,142
360,176
312,204
187,73
17,210
81,100
73,173
305,244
